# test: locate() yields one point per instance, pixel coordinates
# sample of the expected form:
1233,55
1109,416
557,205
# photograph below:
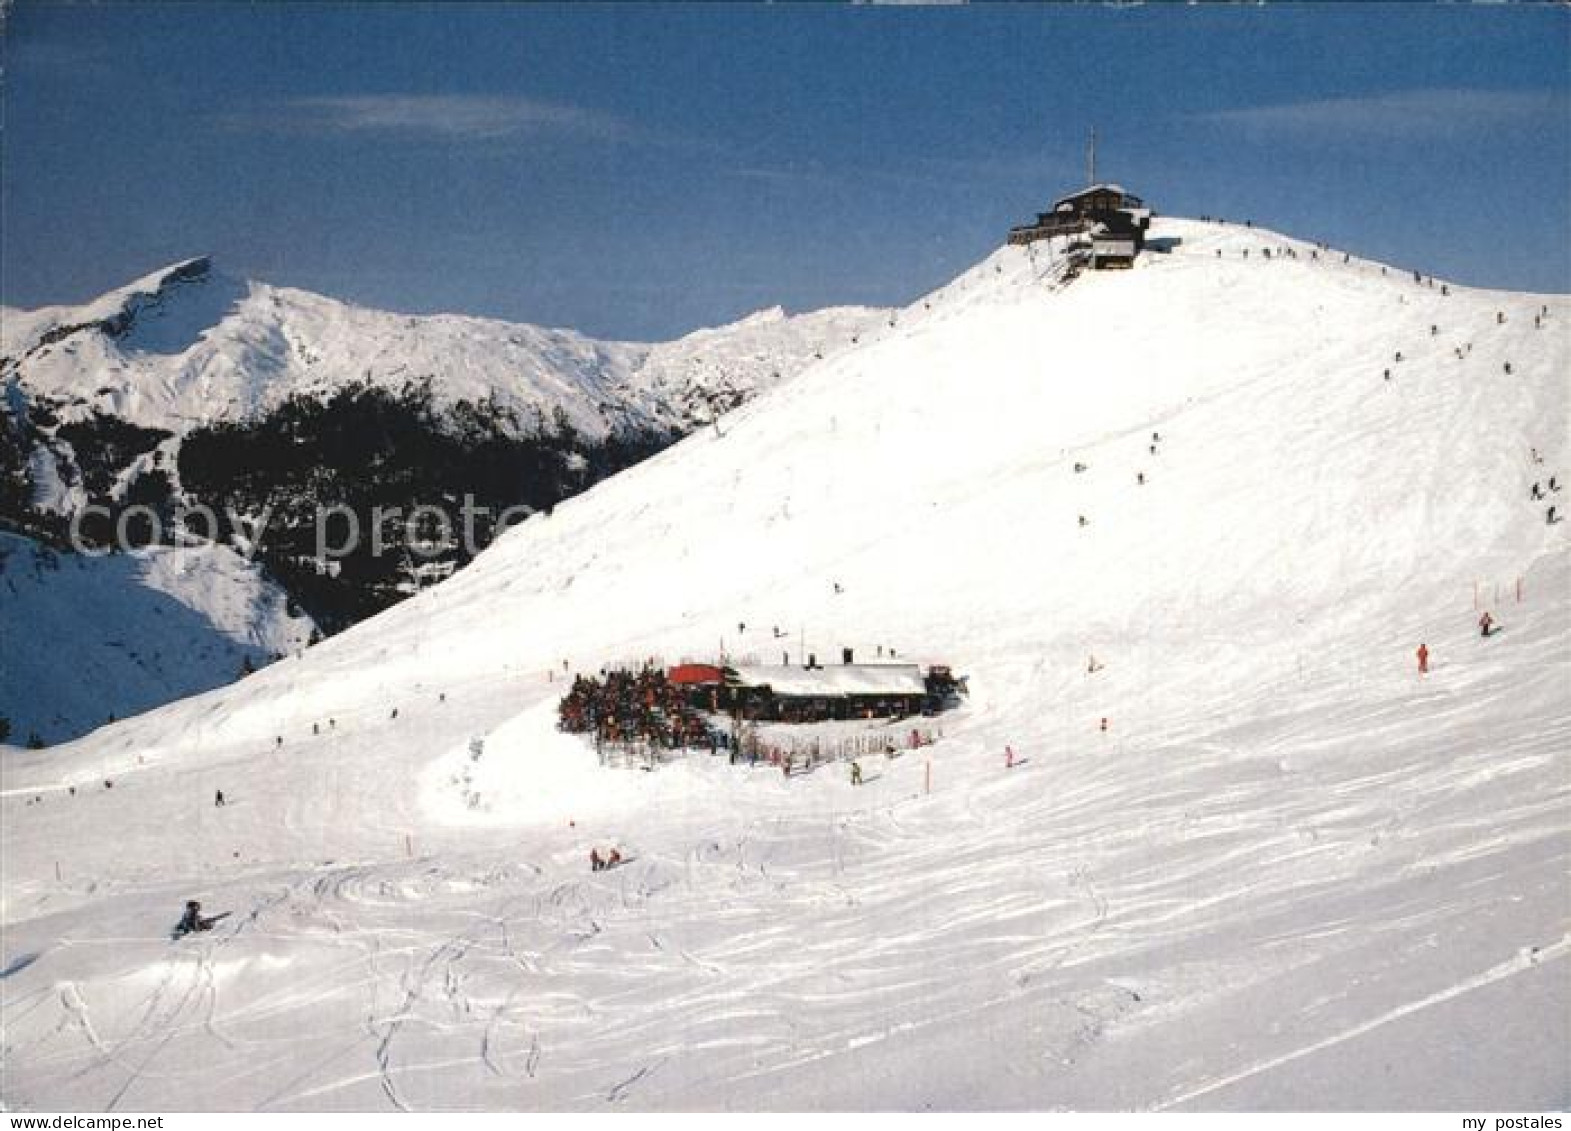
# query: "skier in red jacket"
1423,659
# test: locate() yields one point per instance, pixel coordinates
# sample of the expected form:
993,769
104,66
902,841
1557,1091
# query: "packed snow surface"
1256,860
832,679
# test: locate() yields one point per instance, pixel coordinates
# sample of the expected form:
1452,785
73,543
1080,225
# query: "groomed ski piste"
1292,873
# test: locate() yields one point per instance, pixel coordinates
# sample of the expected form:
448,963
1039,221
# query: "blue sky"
638,171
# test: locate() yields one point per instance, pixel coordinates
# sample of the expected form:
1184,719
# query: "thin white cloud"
781,176
440,117
948,172
1411,113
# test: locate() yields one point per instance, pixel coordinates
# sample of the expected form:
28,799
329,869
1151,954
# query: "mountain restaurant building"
1109,206
813,694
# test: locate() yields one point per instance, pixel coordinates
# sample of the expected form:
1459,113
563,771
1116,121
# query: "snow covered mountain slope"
712,371
1255,860
88,639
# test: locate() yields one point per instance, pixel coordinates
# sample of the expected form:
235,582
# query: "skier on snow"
598,863
194,921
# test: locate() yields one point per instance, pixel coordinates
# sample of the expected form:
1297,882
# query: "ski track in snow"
1506,969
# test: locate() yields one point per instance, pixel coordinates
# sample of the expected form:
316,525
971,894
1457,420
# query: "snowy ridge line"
190,345
1256,238
1525,960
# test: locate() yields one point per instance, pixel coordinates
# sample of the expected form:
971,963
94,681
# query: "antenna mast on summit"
1091,159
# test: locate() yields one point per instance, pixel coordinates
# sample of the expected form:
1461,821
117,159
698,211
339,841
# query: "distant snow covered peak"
166,280
189,343
113,313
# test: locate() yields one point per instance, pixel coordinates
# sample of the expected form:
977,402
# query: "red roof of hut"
696,673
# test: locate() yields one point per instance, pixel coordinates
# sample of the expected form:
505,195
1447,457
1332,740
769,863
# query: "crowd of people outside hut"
646,715
641,706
